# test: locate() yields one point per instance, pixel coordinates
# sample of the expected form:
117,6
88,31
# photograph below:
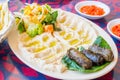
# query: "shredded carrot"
116,30
92,10
48,28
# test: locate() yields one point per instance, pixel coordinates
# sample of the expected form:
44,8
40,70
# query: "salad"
34,19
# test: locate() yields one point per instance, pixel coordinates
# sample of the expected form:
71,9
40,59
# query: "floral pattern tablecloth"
11,68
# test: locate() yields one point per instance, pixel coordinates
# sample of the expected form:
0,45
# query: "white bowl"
111,24
96,3
4,32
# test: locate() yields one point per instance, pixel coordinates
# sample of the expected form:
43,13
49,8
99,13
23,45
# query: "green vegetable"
40,28
48,7
101,43
17,19
54,16
34,30
72,65
51,19
51,16
21,27
48,19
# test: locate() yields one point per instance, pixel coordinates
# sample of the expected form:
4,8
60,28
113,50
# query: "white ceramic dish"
4,33
96,3
13,43
111,24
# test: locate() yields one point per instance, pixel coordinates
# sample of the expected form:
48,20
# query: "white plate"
6,29
13,42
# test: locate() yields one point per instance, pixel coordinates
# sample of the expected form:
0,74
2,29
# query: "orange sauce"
116,30
92,10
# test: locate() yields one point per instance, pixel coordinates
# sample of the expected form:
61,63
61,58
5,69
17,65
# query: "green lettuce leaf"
101,43
54,16
51,18
21,27
48,19
72,65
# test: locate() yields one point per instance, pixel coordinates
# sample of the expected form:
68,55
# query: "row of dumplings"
75,31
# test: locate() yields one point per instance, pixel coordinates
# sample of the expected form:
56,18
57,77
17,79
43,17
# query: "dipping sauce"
92,10
116,30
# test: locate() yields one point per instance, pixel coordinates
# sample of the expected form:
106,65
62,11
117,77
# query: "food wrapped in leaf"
79,58
97,59
101,60
106,53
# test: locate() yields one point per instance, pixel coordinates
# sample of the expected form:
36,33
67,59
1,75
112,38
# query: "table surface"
11,68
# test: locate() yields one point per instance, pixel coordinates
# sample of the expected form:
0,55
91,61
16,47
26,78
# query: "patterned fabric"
11,68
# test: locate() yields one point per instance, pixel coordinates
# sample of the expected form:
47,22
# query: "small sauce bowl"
101,5
111,24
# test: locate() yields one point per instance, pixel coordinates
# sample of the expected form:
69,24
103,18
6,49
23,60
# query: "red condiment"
92,10
116,30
